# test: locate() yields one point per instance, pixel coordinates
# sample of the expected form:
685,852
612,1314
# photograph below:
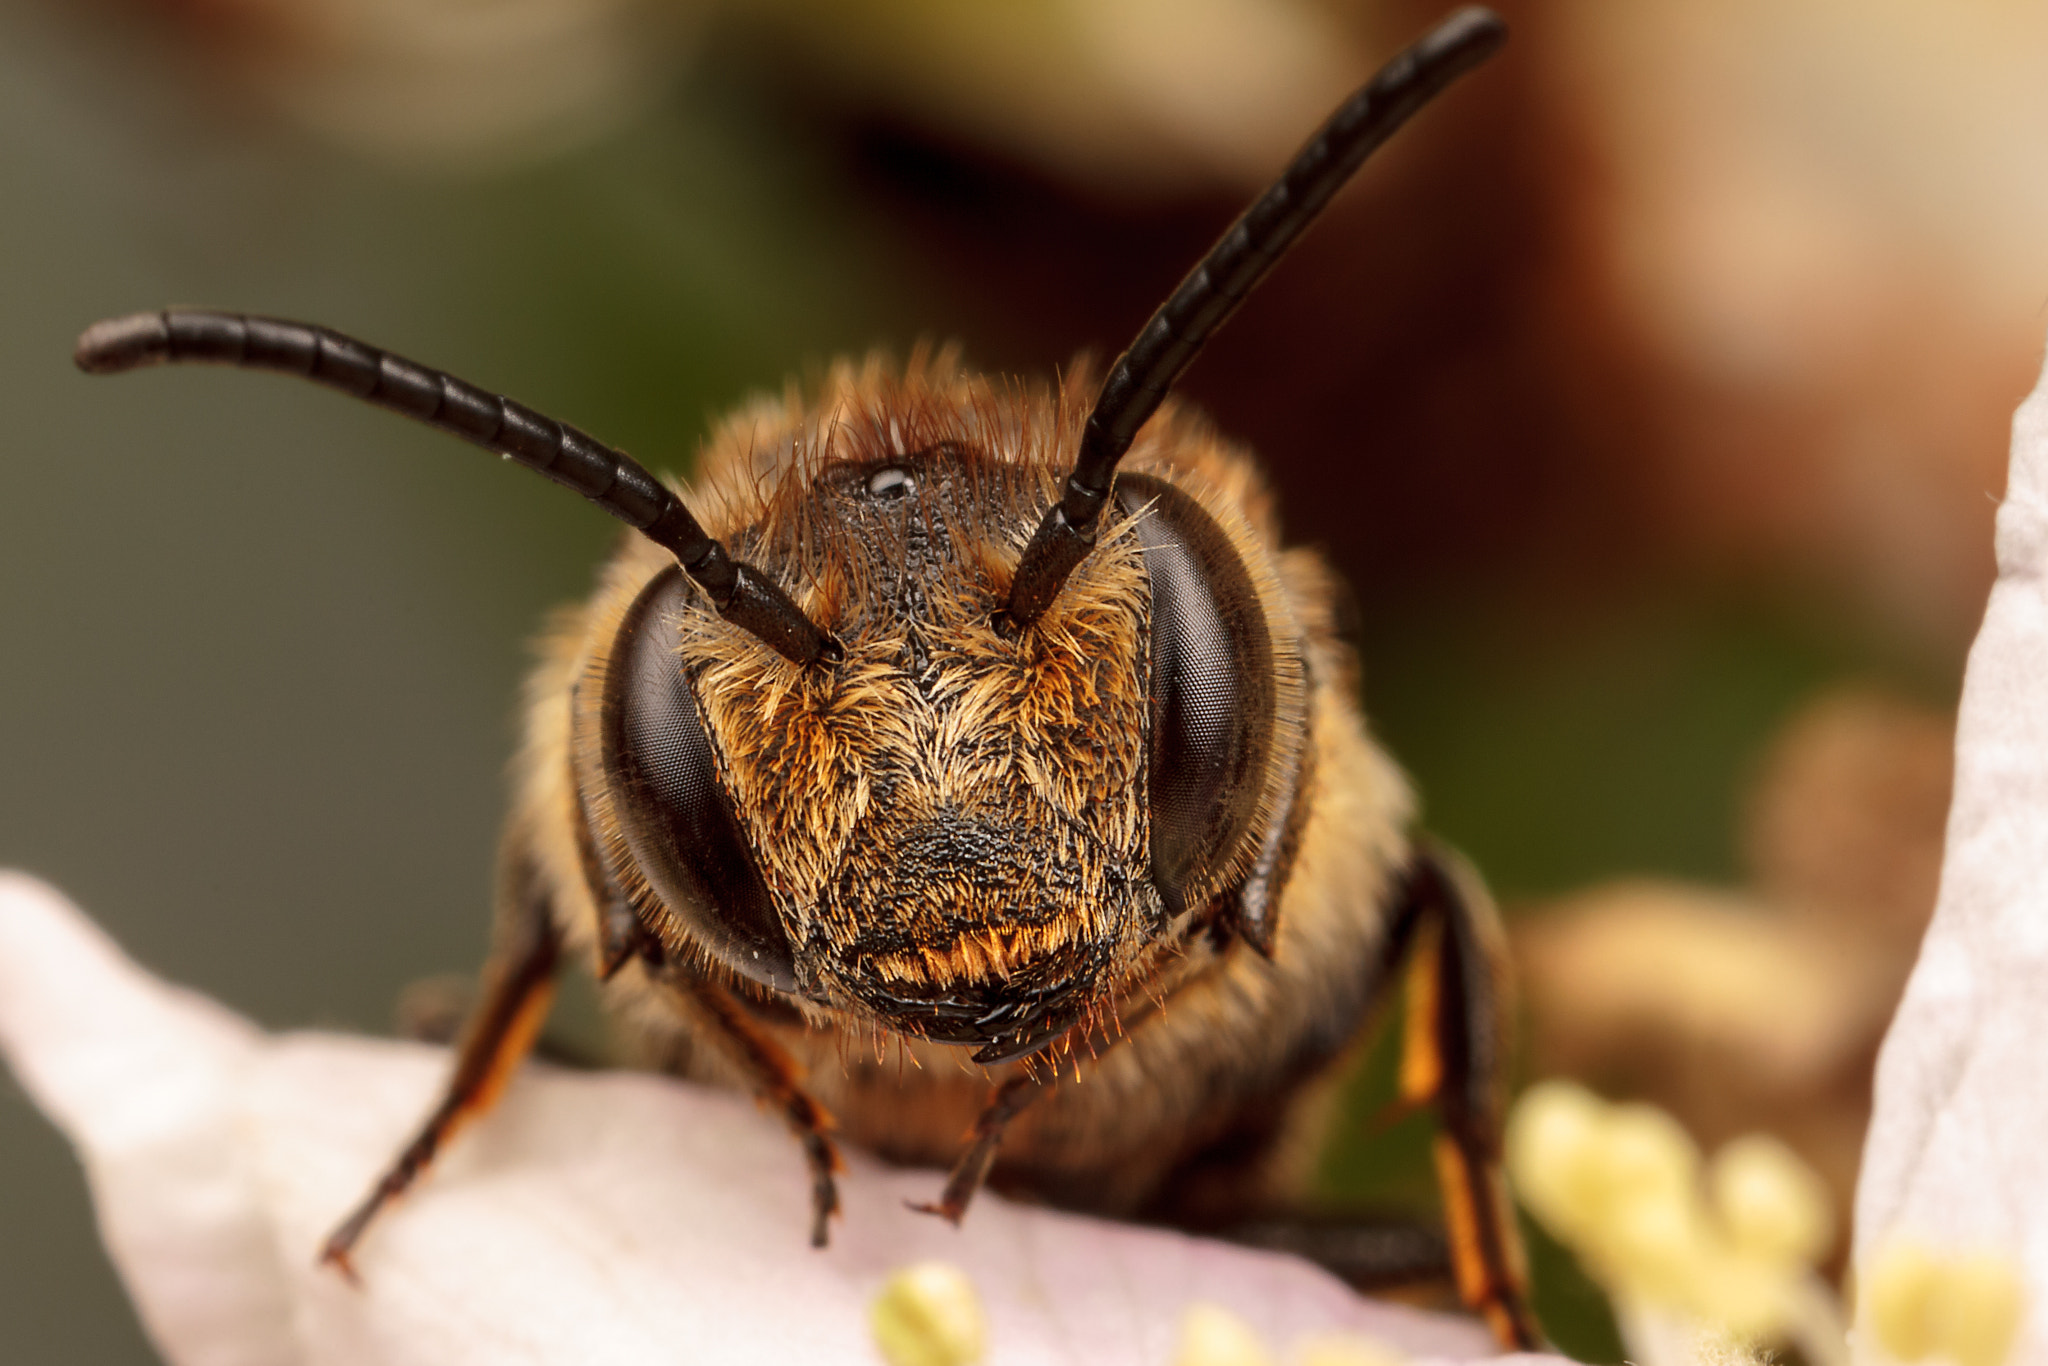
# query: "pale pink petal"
147,1081
603,1217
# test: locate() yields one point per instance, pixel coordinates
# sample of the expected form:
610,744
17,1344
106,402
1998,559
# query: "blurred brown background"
1651,392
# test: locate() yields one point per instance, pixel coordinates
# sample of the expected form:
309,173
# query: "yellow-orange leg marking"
519,987
1454,1051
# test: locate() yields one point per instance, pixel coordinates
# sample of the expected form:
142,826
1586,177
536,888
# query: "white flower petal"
604,1217
144,1079
1958,1147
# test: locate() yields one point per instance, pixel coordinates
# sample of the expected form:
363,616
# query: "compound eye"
1212,691
677,819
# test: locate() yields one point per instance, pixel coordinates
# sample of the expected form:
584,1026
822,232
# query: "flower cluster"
1729,1244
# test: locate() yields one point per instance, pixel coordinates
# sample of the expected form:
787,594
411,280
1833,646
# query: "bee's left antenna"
1147,369
609,478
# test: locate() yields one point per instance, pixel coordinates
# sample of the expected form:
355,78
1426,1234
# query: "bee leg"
972,1169
518,987
721,1021
1366,1254
725,1023
1454,1055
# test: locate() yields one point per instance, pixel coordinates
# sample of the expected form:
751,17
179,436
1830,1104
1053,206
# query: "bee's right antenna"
607,477
1212,291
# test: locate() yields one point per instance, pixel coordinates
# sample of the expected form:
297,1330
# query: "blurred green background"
262,646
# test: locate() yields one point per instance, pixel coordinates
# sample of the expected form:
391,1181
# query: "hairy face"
952,825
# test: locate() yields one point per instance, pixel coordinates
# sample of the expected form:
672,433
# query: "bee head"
961,831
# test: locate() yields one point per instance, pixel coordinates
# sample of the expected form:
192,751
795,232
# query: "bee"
972,774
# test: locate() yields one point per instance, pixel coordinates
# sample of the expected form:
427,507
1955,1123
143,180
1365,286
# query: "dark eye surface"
1212,690
677,820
